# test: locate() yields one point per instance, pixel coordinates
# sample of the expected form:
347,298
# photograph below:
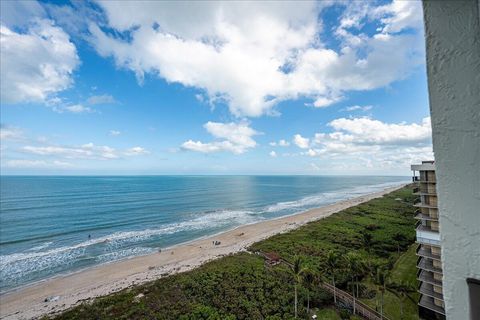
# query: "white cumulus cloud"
399,15
374,142
232,137
300,141
253,55
36,64
368,131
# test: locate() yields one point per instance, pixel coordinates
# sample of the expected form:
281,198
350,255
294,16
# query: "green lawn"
332,314
241,287
327,314
405,268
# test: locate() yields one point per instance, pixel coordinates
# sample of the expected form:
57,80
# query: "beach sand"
66,291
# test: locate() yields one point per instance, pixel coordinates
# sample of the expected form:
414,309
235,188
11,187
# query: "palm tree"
367,240
381,282
401,290
399,237
359,268
332,266
351,260
308,278
372,265
297,272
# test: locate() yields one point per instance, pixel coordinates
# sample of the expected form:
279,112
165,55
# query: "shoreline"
68,290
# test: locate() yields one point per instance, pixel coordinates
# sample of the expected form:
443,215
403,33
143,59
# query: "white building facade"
452,33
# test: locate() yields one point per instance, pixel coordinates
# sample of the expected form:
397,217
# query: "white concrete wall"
452,31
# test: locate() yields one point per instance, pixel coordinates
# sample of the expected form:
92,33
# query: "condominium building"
452,43
429,274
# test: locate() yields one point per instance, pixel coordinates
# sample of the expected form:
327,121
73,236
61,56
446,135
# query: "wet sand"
66,291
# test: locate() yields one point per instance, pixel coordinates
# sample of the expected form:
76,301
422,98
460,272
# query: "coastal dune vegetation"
367,250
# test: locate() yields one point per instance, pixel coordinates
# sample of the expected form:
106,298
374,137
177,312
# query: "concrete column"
452,31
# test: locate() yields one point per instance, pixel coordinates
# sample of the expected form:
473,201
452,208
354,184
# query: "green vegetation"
234,287
240,286
405,269
400,296
328,314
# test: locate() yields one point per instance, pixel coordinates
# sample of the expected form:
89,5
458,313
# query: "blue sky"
213,88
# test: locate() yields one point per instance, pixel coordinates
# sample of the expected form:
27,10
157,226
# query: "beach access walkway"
360,308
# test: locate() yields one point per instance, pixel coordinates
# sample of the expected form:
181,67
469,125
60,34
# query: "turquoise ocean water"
55,225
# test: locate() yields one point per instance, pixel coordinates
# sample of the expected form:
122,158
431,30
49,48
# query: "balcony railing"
418,203
423,240
422,252
423,180
421,227
422,191
427,264
427,276
422,216
427,289
427,302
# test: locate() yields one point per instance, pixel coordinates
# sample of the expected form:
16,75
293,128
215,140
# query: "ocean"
51,225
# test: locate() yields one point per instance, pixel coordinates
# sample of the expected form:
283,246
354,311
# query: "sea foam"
17,266
134,217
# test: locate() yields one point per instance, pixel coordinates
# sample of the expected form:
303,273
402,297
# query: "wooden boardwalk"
361,309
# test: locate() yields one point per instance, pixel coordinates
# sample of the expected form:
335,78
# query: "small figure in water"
89,236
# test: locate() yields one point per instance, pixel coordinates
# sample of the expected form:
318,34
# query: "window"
474,293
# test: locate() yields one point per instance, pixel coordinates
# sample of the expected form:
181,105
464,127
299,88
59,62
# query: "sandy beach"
63,292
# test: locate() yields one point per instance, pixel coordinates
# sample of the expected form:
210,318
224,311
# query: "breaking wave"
50,258
326,198
115,246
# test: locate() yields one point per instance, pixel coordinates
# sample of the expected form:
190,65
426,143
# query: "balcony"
427,276
429,241
422,216
422,252
422,191
427,289
427,264
423,180
419,204
427,302
425,235
421,227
